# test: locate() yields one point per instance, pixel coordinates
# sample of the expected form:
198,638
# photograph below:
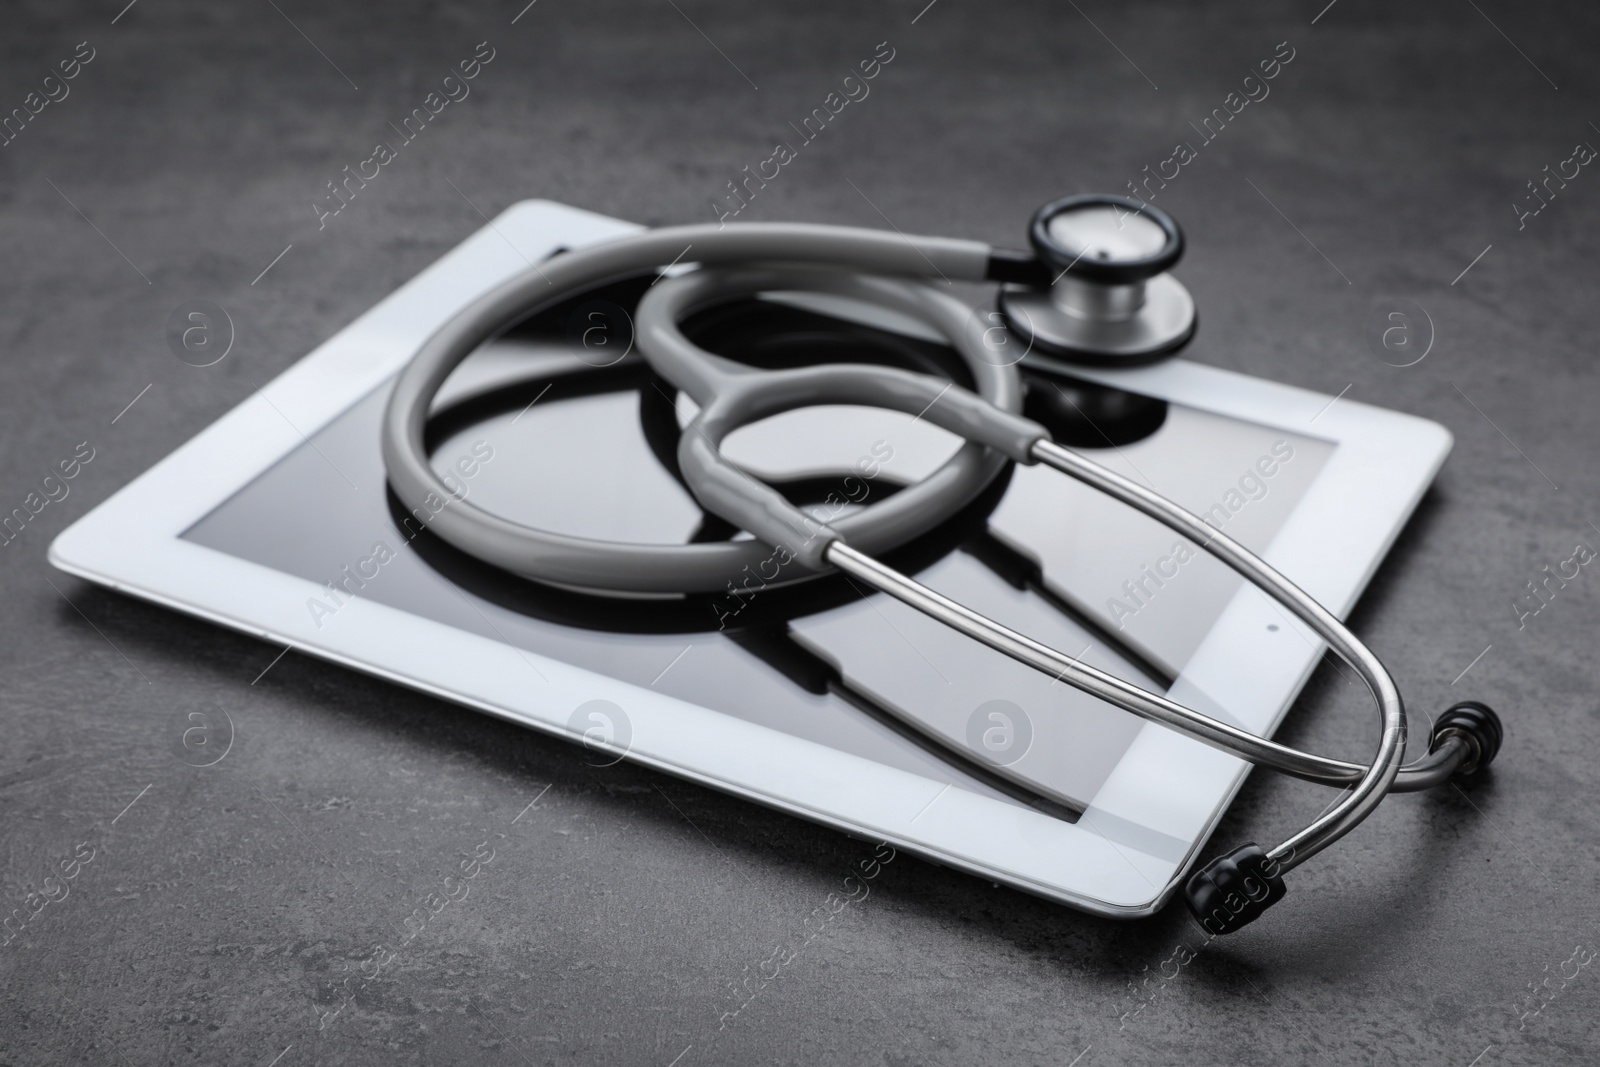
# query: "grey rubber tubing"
731,395
704,567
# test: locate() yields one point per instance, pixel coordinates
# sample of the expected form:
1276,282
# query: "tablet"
820,699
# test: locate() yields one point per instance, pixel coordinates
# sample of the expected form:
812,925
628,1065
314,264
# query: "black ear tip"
1479,725
1233,890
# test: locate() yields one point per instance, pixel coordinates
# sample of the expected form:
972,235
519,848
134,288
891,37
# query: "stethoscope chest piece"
1110,300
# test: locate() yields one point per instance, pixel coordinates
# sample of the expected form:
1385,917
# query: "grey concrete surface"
225,914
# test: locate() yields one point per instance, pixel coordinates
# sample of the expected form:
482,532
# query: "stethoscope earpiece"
1110,300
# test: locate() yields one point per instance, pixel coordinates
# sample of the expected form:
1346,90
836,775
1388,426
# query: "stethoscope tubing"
706,567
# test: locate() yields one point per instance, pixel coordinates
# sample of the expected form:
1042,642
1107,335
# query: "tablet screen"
554,435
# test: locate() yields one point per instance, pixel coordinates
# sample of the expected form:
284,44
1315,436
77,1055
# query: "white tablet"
844,708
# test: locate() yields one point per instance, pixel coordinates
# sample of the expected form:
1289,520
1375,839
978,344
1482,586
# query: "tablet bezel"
1127,852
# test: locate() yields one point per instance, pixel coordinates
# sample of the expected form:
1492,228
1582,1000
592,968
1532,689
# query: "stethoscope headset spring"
1095,288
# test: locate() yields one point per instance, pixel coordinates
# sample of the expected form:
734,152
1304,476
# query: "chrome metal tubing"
1369,791
1370,783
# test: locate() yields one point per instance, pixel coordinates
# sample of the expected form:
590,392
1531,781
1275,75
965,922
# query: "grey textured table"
223,914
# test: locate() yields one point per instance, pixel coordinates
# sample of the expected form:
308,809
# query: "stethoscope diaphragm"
1110,300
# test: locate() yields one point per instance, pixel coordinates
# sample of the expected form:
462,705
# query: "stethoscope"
1096,288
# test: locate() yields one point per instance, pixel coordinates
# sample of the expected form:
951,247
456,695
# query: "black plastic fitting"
1478,725
1233,890
1119,273
1018,268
